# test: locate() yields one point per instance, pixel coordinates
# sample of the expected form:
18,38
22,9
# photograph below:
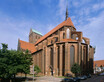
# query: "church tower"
34,36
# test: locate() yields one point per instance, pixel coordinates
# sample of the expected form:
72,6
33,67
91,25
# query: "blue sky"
18,16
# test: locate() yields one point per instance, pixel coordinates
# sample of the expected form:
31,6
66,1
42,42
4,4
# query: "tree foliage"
13,62
75,69
37,69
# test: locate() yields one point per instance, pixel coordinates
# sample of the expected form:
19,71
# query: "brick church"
59,49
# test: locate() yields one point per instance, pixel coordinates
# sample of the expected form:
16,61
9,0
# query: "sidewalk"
42,79
48,79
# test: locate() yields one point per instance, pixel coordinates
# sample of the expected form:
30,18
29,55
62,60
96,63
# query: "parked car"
76,79
83,77
67,80
89,75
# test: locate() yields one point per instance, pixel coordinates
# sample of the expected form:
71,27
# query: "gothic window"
56,39
51,41
76,38
51,57
84,54
58,58
63,35
44,59
72,55
68,33
72,36
81,56
83,41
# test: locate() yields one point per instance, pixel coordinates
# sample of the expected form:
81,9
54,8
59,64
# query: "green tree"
101,67
37,69
13,62
27,62
75,69
4,58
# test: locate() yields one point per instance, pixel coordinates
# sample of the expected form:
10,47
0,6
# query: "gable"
68,22
26,45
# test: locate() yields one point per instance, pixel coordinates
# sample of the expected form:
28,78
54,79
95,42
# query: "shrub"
37,69
75,69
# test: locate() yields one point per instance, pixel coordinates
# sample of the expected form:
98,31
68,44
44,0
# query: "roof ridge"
98,60
27,42
26,45
34,30
67,22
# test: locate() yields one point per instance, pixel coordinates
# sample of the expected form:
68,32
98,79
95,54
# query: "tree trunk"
75,74
14,78
25,75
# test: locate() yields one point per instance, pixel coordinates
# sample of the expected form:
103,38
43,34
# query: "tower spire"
66,10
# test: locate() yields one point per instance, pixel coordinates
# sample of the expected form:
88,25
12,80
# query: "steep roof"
26,45
99,63
67,22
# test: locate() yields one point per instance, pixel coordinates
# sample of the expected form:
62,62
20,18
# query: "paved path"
48,79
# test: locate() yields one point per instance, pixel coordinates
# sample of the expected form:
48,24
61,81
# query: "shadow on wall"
86,67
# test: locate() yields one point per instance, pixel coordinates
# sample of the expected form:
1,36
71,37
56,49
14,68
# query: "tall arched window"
51,57
63,35
68,33
84,54
83,41
72,55
72,36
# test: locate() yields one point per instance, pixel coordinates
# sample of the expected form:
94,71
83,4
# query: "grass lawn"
62,77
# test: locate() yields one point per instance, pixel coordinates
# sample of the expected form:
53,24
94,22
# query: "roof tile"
99,63
26,45
68,22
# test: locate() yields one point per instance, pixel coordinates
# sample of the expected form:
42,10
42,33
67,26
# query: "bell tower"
34,36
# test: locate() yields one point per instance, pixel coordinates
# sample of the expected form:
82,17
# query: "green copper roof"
36,32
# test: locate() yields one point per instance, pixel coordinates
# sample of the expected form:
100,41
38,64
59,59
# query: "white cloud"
76,4
45,2
62,9
98,6
11,29
94,31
